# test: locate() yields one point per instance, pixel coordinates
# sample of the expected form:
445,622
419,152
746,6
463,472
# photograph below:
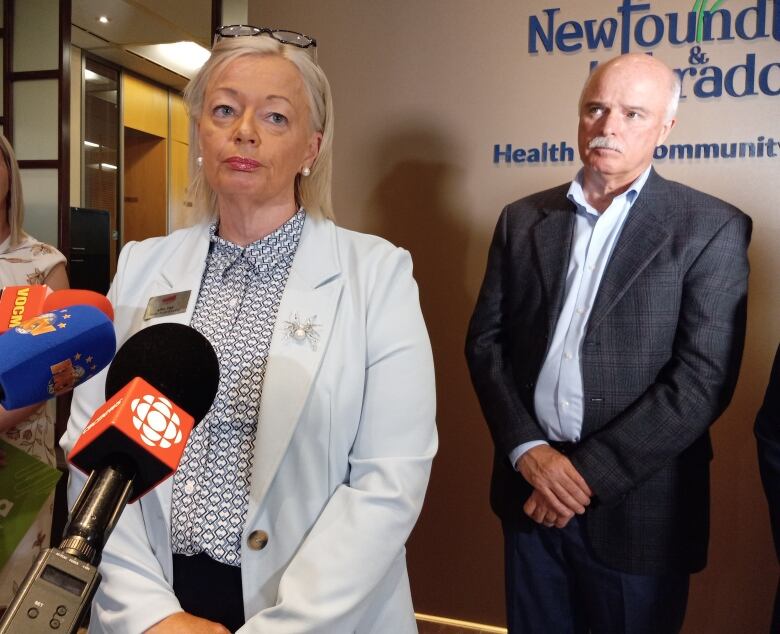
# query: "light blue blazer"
345,440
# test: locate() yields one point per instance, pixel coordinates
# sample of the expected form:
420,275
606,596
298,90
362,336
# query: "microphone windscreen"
174,358
139,431
20,303
77,297
53,353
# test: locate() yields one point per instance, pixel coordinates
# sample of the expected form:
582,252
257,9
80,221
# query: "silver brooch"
302,330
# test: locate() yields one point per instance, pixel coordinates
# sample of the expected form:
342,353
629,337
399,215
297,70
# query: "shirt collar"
577,196
277,248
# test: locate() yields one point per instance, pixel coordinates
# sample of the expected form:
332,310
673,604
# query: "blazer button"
257,540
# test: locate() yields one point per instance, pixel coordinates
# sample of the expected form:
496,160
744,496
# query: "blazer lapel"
642,237
312,293
552,242
182,272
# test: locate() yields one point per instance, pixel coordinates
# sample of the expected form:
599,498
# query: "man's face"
623,119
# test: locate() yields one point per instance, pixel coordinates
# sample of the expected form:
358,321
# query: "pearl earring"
305,171
199,161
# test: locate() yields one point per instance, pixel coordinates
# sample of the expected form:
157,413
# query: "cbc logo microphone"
154,417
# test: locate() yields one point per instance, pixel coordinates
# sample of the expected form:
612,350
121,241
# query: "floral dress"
29,262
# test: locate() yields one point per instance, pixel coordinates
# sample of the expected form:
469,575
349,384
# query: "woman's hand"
185,623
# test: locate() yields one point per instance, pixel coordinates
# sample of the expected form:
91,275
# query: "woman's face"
255,131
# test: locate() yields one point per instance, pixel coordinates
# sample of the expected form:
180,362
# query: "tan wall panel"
36,119
145,106
179,120
181,207
35,41
423,91
145,188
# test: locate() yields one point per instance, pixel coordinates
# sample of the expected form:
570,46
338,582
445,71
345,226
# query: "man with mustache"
606,339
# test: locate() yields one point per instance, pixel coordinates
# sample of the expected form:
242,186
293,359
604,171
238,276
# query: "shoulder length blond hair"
312,192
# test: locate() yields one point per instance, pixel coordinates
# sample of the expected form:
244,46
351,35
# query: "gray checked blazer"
659,360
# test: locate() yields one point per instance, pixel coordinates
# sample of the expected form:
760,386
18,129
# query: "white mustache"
604,142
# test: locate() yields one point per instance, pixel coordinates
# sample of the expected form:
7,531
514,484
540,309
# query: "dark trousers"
209,589
555,585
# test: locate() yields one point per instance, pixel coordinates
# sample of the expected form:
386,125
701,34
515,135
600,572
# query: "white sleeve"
133,594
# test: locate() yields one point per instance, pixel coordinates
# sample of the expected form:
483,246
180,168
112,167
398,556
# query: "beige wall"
423,90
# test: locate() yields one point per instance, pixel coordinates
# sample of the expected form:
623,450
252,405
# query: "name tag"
167,305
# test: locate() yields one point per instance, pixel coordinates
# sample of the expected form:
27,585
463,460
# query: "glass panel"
36,119
101,141
40,190
36,35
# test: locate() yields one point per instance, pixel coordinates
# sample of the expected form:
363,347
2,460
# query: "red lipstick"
241,163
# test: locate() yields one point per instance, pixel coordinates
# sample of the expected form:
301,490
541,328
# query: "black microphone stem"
96,511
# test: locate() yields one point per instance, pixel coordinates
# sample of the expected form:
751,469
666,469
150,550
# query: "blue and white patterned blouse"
236,311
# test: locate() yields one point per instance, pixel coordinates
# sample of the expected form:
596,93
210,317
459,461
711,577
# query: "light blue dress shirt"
559,393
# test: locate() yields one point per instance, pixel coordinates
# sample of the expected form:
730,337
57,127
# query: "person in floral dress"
24,260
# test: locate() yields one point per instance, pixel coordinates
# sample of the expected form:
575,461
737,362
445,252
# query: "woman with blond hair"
297,491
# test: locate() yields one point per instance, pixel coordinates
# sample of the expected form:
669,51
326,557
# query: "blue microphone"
52,353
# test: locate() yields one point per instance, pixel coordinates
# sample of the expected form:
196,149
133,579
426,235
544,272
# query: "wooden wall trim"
39,164
442,624
216,16
27,75
8,49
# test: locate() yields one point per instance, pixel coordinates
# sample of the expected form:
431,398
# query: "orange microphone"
21,303
68,297
151,431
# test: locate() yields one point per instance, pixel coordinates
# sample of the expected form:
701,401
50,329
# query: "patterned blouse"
29,262
236,311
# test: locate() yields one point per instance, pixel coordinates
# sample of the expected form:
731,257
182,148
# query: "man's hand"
554,477
539,511
185,623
